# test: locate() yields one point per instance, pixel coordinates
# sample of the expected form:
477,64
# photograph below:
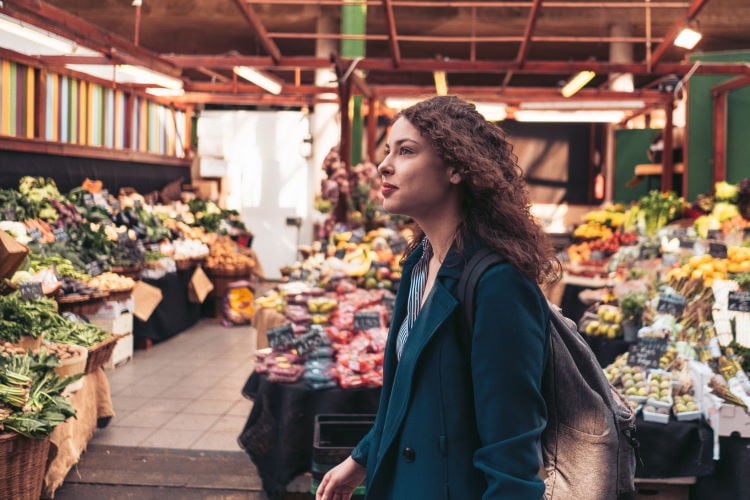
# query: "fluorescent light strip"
577,83
263,80
36,35
687,38
146,76
569,116
164,92
579,104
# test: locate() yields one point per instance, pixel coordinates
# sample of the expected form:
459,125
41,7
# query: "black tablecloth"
278,435
174,314
675,449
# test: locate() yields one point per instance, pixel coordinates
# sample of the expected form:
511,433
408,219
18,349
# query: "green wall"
631,149
700,126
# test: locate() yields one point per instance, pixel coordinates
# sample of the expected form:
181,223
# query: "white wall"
268,178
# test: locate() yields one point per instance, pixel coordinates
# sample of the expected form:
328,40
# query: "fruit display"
605,320
686,408
659,386
612,216
592,230
224,258
111,282
709,268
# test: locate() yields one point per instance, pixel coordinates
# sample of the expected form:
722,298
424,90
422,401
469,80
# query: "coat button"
409,454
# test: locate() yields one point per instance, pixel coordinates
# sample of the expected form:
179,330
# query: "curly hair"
494,200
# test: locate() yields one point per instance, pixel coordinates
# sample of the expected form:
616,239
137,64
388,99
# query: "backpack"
589,444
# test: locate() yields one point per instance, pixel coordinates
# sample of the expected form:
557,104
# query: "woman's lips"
387,189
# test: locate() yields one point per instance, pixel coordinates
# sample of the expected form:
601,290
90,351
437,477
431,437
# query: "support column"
354,22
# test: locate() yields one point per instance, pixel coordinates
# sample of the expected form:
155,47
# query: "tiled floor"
185,392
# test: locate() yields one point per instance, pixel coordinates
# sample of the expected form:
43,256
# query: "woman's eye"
404,151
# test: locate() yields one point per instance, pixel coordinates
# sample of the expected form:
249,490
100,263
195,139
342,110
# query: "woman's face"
416,181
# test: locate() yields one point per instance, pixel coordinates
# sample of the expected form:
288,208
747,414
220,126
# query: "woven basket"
130,272
100,353
81,307
22,464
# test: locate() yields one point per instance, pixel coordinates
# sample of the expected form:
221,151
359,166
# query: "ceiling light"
579,104
492,111
145,76
441,82
610,116
263,80
688,38
577,83
400,103
164,92
36,35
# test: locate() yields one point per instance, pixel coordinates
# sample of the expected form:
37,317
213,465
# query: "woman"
458,419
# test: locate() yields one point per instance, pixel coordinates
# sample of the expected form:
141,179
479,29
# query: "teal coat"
454,424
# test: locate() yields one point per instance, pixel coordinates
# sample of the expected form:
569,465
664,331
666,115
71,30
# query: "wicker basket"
130,272
100,353
22,464
81,307
120,295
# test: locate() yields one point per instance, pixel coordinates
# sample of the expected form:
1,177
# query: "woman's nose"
385,166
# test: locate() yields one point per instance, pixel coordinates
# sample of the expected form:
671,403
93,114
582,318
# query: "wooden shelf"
655,168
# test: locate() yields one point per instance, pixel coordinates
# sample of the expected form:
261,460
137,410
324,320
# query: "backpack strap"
482,260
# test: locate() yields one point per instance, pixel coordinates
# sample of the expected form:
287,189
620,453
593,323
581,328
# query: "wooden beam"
372,128
260,31
242,88
693,9
66,149
392,34
40,104
729,85
61,22
523,50
193,98
213,74
361,84
489,4
719,170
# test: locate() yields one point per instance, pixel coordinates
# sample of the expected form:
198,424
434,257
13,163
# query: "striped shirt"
416,290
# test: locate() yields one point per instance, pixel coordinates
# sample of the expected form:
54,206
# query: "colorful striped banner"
30,101
5,111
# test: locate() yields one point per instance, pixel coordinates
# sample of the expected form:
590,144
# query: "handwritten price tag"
647,352
671,304
31,290
366,320
280,336
739,301
93,269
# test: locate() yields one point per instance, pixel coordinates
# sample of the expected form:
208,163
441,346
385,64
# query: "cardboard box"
12,254
733,419
146,298
120,325
200,286
112,309
122,353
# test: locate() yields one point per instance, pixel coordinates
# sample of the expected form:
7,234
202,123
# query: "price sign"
714,234
116,206
739,301
280,336
686,243
389,301
93,268
367,320
308,342
137,204
61,234
9,213
746,233
717,250
88,199
357,235
35,234
648,252
31,290
339,254
671,304
646,352
397,243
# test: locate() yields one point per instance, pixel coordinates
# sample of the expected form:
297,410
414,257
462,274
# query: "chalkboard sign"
31,290
714,234
308,342
61,234
9,213
357,236
648,252
717,250
671,304
746,233
35,234
679,232
93,268
685,243
88,200
339,254
646,352
397,243
367,320
389,301
280,336
739,301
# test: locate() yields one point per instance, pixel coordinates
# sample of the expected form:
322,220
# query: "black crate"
335,436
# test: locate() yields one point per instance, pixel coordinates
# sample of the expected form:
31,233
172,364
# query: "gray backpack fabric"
589,444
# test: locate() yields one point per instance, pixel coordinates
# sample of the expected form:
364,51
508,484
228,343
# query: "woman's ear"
455,177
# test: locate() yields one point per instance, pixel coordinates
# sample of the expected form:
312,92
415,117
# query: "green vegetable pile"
40,190
16,206
31,401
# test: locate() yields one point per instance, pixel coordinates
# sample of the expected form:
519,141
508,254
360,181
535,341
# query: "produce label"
397,244
35,234
339,254
671,304
357,236
137,204
61,234
389,301
31,290
648,252
308,342
739,301
93,269
686,243
717,250
115,205
9,213
88,200
366,320
646,352
714,234
280,336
